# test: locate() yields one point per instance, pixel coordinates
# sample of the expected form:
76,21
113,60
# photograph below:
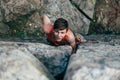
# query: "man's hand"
74,48
71,40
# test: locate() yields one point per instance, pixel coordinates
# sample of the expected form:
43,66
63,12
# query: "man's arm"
74,47
47,24
71,39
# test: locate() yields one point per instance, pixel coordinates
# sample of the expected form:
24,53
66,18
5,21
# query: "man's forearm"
74,49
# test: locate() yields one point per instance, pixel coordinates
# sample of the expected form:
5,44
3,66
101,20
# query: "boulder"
19,64
95,62
86,11
18,15
64,8
107,17
25,14
54,58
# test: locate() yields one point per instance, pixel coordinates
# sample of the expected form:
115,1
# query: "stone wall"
95,62
107,17
20,64
26,15
40,61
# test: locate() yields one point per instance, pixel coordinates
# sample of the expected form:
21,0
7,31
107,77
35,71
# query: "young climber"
59,33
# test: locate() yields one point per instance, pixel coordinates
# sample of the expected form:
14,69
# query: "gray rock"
28,14
107,16
20,14
87,6
4,28
95,62
54,58
63,8
21,65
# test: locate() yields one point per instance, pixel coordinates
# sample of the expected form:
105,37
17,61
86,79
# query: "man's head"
60,28
60,24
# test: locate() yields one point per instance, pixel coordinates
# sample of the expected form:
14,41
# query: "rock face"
95,62
21,65
3,29
64,8
87,6
54,58
12,9
26,15
107,16
20,15
86,11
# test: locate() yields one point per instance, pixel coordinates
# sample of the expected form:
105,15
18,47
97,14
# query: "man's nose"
59,34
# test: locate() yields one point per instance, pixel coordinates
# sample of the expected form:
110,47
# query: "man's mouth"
58,38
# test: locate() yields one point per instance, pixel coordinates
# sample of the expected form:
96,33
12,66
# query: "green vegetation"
18,28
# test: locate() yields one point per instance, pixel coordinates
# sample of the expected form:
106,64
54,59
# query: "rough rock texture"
107,16
18,15
86,5
3,29
14,7
95,62
16,64
54,58
1,16
63,8
86,12
25,14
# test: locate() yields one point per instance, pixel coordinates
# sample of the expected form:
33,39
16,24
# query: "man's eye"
62,32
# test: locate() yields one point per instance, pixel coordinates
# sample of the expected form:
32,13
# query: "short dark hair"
60,24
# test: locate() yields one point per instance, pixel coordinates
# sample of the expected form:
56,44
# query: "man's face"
59,34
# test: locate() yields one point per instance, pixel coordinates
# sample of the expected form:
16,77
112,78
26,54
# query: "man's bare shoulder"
70,35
